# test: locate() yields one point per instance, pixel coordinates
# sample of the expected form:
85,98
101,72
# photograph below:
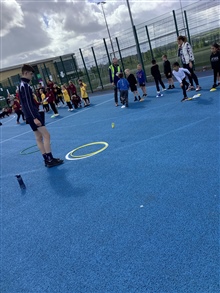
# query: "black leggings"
53,107
46,107
184,87
157,81
116,94
69,105
192,76
19,114
215,73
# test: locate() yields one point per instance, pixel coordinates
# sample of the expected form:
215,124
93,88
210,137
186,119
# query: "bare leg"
43,139
143,88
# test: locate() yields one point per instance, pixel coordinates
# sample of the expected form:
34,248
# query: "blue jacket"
123,84
141,76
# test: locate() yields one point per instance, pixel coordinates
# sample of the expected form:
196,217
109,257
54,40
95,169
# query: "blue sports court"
141,216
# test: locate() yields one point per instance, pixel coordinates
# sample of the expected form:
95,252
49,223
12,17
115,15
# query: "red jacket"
71,90
16,105
50,96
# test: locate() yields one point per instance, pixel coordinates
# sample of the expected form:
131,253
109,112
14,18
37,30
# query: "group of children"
51,97
180,73
131,81
54,95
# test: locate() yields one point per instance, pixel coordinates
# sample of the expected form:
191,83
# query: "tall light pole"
103,11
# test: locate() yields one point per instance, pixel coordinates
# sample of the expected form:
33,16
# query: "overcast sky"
32,30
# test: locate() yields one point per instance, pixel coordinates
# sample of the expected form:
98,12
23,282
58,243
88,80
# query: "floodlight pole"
103,11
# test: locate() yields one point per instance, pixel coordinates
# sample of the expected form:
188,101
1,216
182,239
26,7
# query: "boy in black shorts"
168,72
34,118
133,84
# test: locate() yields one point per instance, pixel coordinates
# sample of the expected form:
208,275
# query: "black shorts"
40,117
168,75
142,84
133,88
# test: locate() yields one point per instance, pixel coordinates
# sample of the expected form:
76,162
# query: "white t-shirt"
180,74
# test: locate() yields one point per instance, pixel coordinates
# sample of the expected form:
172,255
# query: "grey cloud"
9,19
28,39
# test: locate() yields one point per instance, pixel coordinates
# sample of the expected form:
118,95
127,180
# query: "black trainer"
53,163
173,86
135,99
169,87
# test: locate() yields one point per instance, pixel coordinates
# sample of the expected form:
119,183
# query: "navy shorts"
40,117
133,88
142,84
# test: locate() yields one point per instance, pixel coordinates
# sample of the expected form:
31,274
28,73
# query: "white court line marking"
73,114
9,120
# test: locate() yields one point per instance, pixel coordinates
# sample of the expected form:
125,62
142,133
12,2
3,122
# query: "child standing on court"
123,86
83,92
51,100
133,84
215,63
66,97
141,78
180,75
17,108
44,100
168,72
155,72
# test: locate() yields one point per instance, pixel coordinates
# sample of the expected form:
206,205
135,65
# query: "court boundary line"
83,110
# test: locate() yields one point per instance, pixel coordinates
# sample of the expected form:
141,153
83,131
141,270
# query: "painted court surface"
140,216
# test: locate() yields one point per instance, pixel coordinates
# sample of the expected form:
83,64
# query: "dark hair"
79,79
176,64
120,75
27,67
164,56
182,38
153,61
215,45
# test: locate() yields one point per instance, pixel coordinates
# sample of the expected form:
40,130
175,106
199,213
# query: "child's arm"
186,70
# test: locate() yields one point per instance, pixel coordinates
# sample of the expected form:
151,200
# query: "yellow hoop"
70,155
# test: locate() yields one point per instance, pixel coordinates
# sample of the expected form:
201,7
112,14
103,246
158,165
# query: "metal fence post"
175,22
187,27
97,67
87,74
75,67
45,68
139,50
148,37
57,71
64,69
106,48
9,81
119,51
43,75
